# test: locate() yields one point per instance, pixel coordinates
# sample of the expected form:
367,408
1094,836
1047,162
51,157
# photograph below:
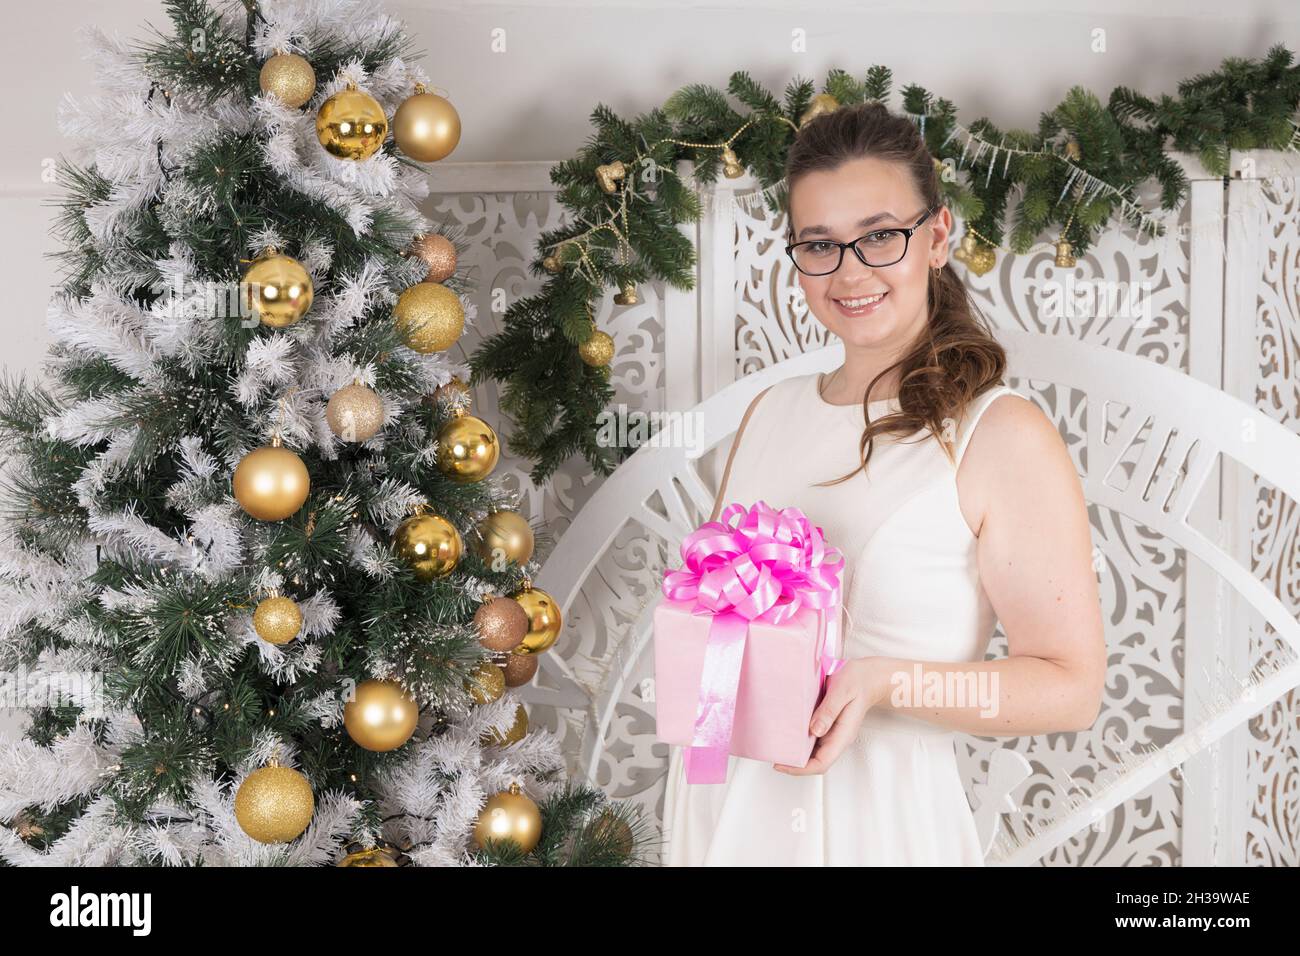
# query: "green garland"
630,236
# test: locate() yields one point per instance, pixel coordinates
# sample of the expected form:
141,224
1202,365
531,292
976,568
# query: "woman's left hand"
850,692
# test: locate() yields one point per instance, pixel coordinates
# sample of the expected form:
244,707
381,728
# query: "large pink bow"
763,568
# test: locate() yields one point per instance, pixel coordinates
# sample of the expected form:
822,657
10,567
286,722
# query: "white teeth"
859,303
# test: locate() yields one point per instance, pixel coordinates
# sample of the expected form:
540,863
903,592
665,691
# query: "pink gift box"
780,681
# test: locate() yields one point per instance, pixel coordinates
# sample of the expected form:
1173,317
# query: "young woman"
955,504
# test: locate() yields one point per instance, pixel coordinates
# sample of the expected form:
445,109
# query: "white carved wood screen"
1218,301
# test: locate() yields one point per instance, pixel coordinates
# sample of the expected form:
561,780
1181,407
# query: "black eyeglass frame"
907,241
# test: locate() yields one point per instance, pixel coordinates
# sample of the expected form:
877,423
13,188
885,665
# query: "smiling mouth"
860,305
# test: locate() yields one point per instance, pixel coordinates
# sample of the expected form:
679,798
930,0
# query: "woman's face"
833,204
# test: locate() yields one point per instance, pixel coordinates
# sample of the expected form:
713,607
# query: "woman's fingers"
829,747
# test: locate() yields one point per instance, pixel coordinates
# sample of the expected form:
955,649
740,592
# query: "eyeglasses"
883,247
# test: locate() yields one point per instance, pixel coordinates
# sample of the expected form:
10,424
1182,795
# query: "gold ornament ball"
271,483
355,413
289,78
486,683
380,717
504,536
598,350
277,290
453,392
520,667
468,449
509,815
426,126
544,620
429,544
274,804
438,253
430,317
351,124
514,733
611,829
277,619
375,856
501,624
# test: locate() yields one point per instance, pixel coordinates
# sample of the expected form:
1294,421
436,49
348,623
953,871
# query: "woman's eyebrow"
862,224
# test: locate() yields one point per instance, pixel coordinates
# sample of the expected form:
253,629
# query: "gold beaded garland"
468,448
380,717
351,124
274,804
355,413
277,619
271,483
277,289
430,317
426,126
509,815
289,78
429,544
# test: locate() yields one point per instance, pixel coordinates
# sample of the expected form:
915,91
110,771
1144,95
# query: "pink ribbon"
766,567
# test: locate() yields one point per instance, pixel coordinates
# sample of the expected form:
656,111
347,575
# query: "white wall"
1007,60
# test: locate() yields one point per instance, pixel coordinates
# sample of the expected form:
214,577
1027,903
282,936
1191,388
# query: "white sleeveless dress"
912,591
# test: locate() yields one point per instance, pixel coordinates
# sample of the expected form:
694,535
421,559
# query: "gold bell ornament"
609,175
277,619
731,167
430,317
355,413
509,816
504,536
978,257
429,544
544,620
1065,254
289,78
351,124
277,289
426,126
626,295
438,253
271,483
380,717
468,448
274,804
821,104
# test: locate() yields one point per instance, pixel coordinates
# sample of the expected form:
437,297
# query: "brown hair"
956,358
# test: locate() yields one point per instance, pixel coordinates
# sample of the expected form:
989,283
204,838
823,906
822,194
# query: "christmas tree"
259,593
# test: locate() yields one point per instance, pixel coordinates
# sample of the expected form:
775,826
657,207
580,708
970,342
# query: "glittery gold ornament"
552,264
731,167
274,804
289,78
351,124
627,295
509,815
520,667
486,683
426,126
380,716
1065,254
277,619
374,856
978,257
598,350
504,536
355,413
429,544
544,621
822,103
609,828
271,483
501,624
609,174
1072,150
452,393
438,253
514,733
468,448
277,290
430,317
